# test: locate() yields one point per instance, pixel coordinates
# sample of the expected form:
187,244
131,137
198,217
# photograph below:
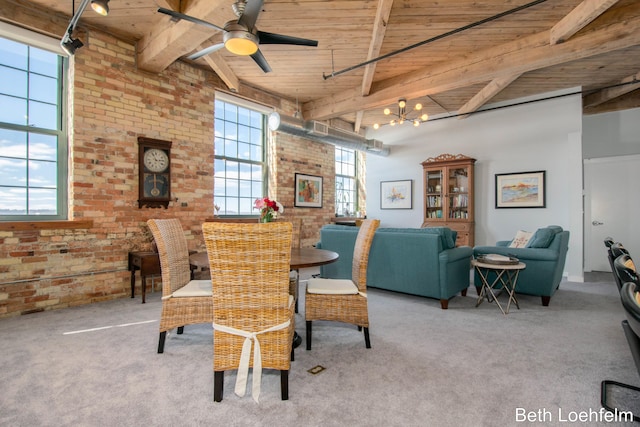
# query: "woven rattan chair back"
249,266
174,263
174,253
361,253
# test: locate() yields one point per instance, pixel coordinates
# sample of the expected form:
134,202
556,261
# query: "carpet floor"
96,365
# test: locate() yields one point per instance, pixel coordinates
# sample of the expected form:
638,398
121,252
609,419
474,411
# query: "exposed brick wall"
112,104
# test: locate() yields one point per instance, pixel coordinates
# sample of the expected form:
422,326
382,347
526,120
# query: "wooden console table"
148,263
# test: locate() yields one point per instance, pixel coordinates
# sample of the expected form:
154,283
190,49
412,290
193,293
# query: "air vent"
319,128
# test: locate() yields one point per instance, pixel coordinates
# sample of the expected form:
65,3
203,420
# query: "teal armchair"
544,256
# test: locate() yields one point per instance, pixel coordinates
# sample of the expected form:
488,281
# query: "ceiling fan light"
240,42
101,7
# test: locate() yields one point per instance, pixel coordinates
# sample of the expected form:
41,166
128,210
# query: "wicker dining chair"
294,275
184,301
249,266
344,300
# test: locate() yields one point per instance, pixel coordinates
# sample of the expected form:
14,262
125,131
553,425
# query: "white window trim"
32,38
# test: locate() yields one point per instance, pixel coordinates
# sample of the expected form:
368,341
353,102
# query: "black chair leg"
367,342
218,385
308,334
163,336
284,384
603,395
180,330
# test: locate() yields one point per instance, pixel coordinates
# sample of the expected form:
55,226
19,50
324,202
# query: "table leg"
490,287
133,281
510,285
144,286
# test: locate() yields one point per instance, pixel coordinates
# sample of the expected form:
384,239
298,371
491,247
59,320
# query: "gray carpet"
464,366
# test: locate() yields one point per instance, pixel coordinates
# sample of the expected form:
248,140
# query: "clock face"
156,160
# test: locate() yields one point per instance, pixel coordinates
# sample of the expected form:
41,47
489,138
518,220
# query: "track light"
71,45
101,7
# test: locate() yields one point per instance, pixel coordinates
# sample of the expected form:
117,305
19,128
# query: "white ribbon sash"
243,368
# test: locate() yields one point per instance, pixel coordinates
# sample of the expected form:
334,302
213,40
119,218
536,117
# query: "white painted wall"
545,135
611,134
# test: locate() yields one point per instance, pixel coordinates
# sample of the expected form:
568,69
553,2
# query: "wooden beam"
624,102
579,18
616,31
626,85
377,37
358,123
489,91
168,40
222,69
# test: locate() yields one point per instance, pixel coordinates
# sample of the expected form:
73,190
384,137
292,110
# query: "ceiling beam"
489,91
579,18
626,85
615,31
222,69
169,40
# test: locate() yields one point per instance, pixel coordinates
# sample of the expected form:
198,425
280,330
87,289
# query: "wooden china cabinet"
448,195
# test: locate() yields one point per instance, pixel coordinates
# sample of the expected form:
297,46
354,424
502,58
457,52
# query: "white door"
612,207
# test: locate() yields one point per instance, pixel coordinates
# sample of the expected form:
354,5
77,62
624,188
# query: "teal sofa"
417,261
544,256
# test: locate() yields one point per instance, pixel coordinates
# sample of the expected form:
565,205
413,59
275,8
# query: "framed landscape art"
396,194
520,190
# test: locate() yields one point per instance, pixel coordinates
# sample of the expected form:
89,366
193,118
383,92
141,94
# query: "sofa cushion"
542,238
521,240
447,236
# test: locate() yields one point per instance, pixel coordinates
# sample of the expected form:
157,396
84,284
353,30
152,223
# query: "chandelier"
402,115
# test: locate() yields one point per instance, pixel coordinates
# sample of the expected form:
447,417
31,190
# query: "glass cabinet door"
434,194
458,193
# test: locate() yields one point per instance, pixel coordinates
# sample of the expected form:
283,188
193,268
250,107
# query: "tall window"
33,141
346,187
240,165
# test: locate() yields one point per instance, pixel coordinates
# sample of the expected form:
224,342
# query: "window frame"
264,162
39,41
339,209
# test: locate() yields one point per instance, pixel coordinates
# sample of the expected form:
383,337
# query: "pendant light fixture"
101,7
402,115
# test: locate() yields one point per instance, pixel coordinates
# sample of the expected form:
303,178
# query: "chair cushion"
195,288
542,238
331,286
521,239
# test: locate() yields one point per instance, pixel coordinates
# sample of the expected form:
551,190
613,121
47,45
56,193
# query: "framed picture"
396,194
308,191
520,190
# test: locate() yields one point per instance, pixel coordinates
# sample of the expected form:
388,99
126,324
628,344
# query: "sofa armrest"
503,243
455,254
537,254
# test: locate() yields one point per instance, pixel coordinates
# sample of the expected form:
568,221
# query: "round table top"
311,257
300,258
495,266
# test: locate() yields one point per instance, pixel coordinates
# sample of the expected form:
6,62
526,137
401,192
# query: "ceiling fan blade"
271,38
179,15
206,51
261,61
250,14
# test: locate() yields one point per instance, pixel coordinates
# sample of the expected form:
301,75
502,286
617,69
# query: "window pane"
14,201
13,82
244,151
13,54
43,88
43,147
12,144
42,174
43,115
14,110
43,62
42,202
13,172
244,116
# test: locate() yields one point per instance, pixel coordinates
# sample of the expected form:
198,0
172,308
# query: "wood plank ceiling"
469,52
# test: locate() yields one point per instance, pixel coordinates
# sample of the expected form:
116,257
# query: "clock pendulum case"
154,165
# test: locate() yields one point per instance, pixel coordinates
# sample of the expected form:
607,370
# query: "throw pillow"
542,238
521,239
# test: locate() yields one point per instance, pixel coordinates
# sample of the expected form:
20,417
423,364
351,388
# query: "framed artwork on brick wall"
308,191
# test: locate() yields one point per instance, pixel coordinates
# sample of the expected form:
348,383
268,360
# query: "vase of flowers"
269,209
